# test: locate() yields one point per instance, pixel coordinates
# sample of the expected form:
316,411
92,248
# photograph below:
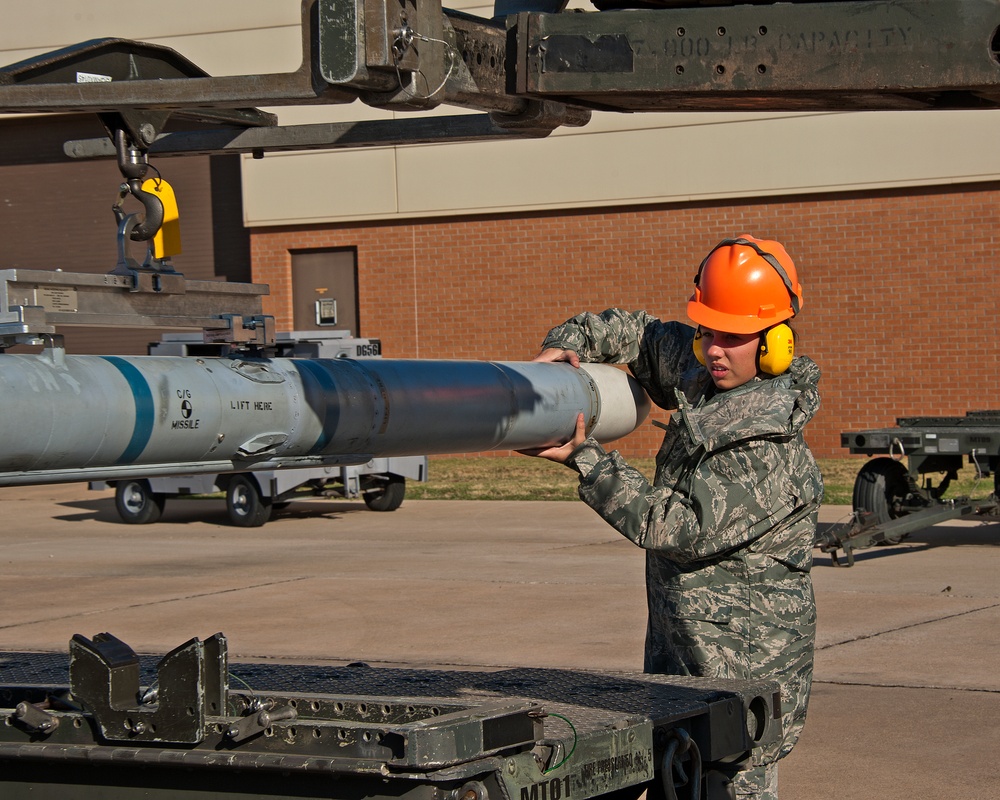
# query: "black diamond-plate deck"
593,700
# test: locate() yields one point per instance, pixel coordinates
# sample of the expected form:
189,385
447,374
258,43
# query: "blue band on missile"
144,411
331,410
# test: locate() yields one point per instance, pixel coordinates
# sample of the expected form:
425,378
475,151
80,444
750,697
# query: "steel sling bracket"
191,686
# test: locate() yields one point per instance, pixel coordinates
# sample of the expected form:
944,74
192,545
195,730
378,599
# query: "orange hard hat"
744,286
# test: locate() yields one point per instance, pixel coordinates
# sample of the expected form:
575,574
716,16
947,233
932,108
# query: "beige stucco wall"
621,160
617,159
224,37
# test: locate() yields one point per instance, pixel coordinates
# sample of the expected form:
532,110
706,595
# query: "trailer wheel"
246,506
385,494
880,488
137,503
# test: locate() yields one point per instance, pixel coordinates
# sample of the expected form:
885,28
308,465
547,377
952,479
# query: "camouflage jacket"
729,519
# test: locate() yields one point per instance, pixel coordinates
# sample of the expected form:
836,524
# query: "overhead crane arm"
532,68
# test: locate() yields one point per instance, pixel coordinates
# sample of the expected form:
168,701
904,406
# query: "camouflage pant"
753,783
696,626
759,783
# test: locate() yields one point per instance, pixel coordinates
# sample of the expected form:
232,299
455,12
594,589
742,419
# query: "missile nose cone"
623,405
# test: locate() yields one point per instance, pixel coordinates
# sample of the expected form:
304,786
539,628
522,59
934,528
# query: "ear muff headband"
775,354
770,259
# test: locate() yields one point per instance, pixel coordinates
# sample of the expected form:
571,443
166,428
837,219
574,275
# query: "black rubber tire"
881,483
246,506
386,494
136,503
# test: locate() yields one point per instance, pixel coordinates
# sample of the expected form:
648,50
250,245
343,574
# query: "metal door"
325,290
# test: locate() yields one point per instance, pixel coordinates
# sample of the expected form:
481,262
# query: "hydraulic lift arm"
532,71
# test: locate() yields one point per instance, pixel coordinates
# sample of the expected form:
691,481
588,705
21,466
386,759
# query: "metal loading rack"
892,499
358,731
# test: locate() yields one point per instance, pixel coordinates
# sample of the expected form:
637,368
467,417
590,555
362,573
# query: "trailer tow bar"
864,529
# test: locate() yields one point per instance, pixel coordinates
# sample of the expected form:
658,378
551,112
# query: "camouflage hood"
772,408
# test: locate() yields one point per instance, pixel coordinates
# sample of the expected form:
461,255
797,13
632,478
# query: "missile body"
75,418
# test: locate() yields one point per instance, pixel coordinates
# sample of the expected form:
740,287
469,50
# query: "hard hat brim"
701,314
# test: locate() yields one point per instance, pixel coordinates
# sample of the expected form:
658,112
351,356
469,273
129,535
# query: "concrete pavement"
907,691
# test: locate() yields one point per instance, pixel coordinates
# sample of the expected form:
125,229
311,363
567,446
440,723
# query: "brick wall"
899,296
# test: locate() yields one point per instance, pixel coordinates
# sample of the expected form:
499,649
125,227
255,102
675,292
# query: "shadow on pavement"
211,511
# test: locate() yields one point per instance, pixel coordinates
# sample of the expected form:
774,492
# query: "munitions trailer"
195,726
892,499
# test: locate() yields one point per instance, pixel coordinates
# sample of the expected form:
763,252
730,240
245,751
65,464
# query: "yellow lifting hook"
167,241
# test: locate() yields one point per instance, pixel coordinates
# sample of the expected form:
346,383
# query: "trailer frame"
892,500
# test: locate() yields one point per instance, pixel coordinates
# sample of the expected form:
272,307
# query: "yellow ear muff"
777,349
696,346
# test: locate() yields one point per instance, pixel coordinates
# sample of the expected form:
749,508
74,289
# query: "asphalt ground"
906,699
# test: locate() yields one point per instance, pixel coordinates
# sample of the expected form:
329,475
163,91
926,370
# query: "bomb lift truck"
116,724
